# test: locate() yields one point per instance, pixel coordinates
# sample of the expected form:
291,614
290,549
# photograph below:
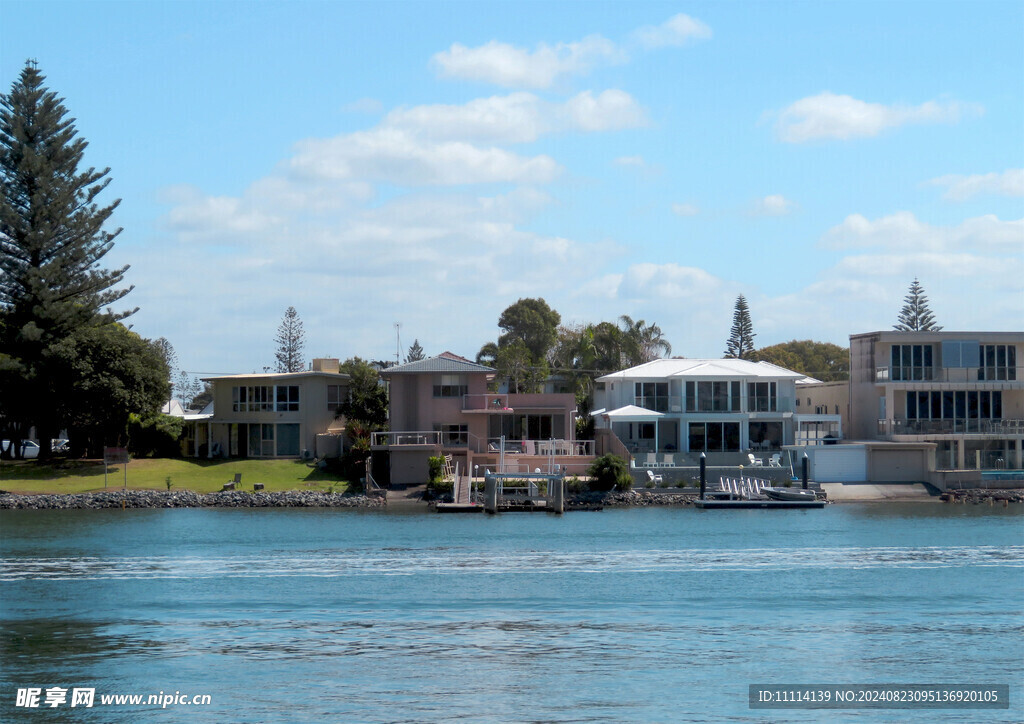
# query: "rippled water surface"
623,615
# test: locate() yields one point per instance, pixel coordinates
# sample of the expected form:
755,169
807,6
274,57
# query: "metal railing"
495,401
889,428
410,437
887,373
660,403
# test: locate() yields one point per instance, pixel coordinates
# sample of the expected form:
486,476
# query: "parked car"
29,449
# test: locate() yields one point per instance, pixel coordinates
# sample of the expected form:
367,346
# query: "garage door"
840,464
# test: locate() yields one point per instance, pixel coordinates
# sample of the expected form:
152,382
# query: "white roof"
706,368
629,413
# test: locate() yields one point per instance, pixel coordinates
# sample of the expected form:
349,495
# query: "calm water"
624,615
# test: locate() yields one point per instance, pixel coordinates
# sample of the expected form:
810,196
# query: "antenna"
398,343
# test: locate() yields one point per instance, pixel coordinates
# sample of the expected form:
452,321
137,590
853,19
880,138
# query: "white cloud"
634,161
518,117
773,205
903,230
399,157
685,209
512,67
666,282
677,30
831,116
547,65
364,105
961,188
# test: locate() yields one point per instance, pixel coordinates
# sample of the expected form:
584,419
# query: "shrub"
609,472
576,486
435,468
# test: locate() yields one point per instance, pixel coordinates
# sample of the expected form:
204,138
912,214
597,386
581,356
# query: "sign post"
115,456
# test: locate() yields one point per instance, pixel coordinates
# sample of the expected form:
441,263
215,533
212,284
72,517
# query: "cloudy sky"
430,163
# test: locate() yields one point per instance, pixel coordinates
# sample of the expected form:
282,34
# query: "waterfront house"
442,406
274,415
729,409
962,391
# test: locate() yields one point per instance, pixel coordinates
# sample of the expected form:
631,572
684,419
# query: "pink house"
442,406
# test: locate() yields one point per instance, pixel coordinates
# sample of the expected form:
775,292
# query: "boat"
789,494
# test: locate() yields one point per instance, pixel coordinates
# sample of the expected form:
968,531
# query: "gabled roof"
446,362
706,368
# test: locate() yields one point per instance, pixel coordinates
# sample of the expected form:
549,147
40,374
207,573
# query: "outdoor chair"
237,482
755,462
776,461
656,479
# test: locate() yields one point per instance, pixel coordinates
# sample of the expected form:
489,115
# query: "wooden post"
703,474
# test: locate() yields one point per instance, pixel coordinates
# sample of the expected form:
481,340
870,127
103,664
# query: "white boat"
789,494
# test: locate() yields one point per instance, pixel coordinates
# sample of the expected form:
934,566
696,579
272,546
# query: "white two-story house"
726,408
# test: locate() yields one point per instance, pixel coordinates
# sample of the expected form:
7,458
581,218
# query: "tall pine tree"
52,240
915,315
741,336
290,340
415,352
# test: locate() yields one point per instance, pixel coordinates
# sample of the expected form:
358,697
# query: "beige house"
442,406
962,391
274,415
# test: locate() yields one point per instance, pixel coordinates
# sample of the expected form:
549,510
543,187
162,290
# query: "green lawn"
202,476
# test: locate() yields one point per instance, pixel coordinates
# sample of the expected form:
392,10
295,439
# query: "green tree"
415,352
643,342
915,315
517,365
821,360
533,322
741,336
114,375
290,340
367,404
608,472
52,241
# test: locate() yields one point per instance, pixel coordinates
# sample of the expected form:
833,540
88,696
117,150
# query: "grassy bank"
202,476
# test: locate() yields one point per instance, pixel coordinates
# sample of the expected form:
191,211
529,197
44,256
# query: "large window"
712,396
261,441
911,362
652,395
265,398
335,396
714,437
526,427
450,386
252,399
287,398
998,362
288,440
954,405
453,435
762,396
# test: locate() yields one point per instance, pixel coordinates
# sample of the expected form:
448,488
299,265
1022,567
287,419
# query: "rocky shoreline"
979,496
188,499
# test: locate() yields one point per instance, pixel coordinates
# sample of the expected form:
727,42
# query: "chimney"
326,364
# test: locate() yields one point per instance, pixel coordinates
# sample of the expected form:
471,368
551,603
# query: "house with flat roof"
725,408
962,391
443,406
272,415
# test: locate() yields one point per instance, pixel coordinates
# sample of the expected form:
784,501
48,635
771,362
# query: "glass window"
335,396
287,398
288,440
450,385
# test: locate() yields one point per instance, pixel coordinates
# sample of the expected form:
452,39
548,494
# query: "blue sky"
430,163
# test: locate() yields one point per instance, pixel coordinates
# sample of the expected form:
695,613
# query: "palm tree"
643,342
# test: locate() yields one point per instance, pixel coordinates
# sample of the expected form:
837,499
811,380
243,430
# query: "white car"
29,449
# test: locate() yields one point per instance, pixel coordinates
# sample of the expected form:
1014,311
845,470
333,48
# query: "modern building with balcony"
273,415
726,408
442,406
962,391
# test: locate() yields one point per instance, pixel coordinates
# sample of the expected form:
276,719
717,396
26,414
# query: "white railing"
412,437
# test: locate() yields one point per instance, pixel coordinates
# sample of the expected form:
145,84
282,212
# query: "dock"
709,504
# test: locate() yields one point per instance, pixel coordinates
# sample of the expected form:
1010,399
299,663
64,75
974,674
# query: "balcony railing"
412,437
948,374
660,403
889,428
495,401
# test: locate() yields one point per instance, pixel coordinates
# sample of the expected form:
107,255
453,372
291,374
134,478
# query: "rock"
188,499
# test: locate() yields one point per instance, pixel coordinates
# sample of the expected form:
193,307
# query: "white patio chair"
656,479
755,462
776,461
